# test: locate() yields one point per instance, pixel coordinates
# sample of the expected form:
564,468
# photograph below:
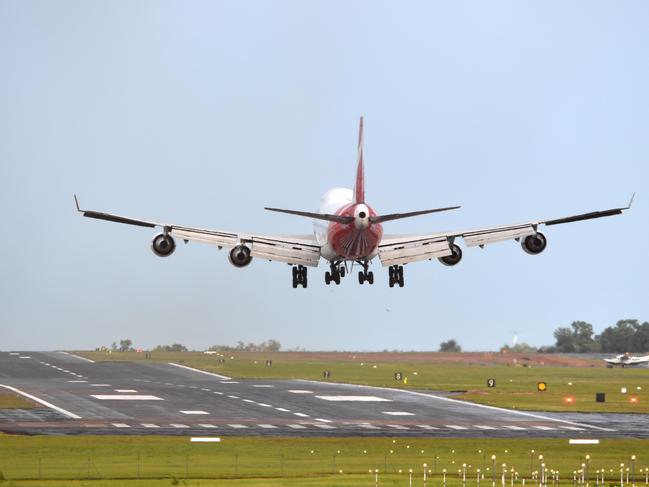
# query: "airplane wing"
404,249
291,249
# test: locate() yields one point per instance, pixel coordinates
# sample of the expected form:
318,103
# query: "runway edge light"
541,386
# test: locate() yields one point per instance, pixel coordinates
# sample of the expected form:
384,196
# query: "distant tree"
176,347
621,337
519,348
273,346
576,338
113,346
450,346
125,345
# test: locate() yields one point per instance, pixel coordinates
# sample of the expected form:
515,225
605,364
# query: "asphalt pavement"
78,396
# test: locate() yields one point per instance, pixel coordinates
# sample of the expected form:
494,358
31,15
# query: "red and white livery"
348,231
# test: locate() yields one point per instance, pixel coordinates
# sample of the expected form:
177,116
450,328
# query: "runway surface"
82,397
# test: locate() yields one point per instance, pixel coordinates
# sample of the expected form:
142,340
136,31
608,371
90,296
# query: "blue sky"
202,113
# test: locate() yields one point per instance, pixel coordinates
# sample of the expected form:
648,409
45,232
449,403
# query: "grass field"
10,400
516,386
94,461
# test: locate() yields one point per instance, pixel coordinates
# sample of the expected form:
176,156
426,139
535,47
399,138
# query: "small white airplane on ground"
347,231
626,360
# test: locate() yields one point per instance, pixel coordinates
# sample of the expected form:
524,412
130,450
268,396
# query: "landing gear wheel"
327,278
299,276
342,271
370,277
361,277
396,275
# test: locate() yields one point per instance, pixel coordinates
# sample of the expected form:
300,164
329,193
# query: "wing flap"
493,235
404,253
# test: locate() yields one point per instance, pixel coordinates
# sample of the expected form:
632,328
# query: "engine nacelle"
240,256
163,245
534,244
454,258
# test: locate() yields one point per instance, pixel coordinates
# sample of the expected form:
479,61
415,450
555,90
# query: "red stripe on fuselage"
353,243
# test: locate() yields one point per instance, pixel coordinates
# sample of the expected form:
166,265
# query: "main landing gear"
299,276
396,275
337,271
364,275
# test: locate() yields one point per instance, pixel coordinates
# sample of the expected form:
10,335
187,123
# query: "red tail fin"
359,187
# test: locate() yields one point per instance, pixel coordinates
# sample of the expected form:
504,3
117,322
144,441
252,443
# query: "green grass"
94,461
516,387
10,400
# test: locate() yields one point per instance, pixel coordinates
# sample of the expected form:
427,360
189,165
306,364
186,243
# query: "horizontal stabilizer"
317,216
399,216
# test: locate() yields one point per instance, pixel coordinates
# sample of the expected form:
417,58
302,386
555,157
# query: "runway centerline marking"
484,427
264,405
262,385
206,425
398,413
284,410
237,426
354,398
426,427
121,425
150,425
178,425
516,428
302,415
300,391
296,426
233,397
194,412
77,381
100,385
122,397
456,427
118,390
267,426
41,401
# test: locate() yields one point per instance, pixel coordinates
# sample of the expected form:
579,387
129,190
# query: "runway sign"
269,363
326,374
398,376
600,397
491,382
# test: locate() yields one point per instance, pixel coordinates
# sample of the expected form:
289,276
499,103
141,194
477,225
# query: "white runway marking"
233,397
77,356
122,390
219,393
218,376
248,400
194,412
237,426
296,426
204,389
206,425
77,381
324,426
545,428
397,426
267,426
264,405
203,439
121,425
262,385
324,420
24,356
121,397
368,426
455,427
149,425
583,442
229,382
100,385
14,353
354,398
300,391
426,427
516,428
284,410
302,415
178,425
398,413
484,427
40,401
572,428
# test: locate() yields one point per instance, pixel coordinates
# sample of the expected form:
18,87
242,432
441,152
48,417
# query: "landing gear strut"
396,275
299,276
337,271
364,275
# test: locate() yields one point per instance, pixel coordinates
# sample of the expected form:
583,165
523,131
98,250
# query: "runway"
82,397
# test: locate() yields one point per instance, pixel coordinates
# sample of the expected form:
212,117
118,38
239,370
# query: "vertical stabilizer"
359,187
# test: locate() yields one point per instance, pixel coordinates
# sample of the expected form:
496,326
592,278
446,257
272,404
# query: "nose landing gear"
299,276
396,275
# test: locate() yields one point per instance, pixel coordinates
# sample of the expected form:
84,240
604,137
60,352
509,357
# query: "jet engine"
240,256
163,245
454,258
534,244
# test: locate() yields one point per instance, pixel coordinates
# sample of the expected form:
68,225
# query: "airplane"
348,231
626,360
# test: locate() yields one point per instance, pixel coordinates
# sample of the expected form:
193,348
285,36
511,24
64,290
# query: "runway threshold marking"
41,401
218,376
123,397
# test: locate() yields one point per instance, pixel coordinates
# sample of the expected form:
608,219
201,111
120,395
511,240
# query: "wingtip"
76,202
631,201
